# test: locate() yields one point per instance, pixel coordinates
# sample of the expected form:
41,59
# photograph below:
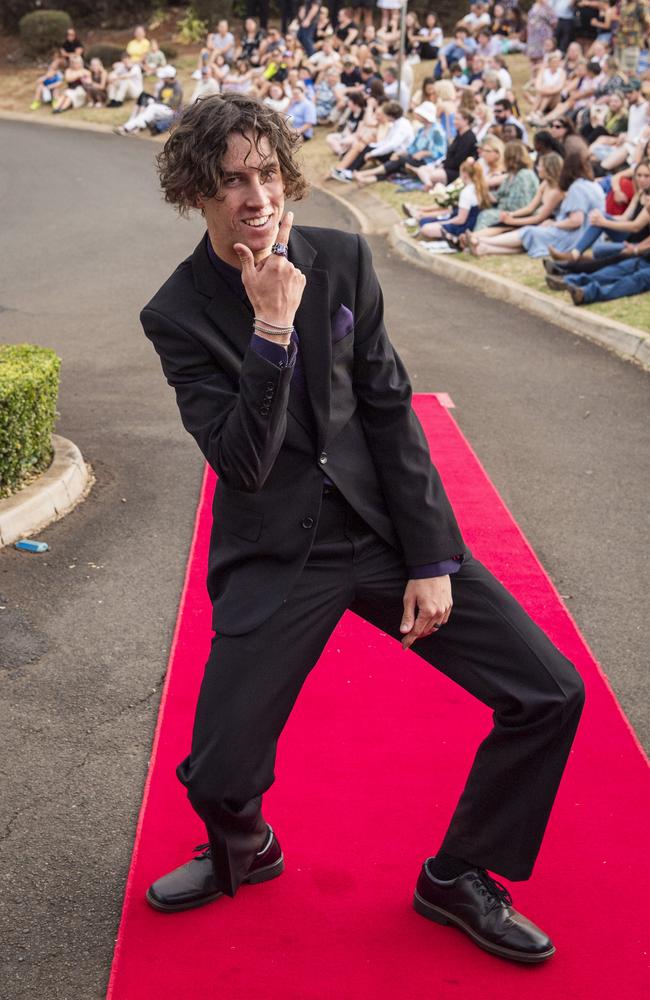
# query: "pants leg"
630,276
250,685
496,652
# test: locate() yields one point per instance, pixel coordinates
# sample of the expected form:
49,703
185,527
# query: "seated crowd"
558,169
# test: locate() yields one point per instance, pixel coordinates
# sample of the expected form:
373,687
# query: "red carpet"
369,770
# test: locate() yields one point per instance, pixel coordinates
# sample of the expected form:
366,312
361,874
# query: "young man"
273,338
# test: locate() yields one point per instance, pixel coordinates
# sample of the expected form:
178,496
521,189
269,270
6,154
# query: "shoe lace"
203,850
492,889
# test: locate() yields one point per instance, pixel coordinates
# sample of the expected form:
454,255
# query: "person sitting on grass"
582,195
549,85
628,274
74,96
473,197
301,113
139,45
517,190
396,140
428,145
506,237
159,110
491,155
48,85
154,59
605,234
462,148
351,119
96,84
72,46
329,97
220,41
124,81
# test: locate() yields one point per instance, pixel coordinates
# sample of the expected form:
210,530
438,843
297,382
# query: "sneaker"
339,174
34,106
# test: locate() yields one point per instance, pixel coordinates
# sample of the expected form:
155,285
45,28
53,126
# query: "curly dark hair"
190,165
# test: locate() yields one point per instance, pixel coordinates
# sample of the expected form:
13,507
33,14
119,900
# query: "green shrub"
29,385
171,52
105,51
43,30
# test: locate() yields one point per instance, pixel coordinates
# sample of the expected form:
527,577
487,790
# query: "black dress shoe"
553,267
193,884
482,908
557,283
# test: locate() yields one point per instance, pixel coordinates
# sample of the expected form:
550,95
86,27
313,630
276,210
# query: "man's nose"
257,194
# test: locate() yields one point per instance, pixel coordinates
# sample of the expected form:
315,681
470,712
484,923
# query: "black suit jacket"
270,446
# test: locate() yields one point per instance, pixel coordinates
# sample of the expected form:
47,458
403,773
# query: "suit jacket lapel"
314,330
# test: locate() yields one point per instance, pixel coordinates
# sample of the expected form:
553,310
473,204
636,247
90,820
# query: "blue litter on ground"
25,545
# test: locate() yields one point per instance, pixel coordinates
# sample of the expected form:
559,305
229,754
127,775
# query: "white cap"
166,72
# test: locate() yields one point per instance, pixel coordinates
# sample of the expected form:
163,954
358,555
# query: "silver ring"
281,249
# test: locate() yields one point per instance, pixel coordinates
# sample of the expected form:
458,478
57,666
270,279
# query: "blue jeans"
629,277
604,248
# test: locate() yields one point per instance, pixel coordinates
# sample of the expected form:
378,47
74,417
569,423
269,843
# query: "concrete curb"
59,121
377,217
61,487
625,341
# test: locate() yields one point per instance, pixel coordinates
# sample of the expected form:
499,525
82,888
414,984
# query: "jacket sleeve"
238,427
416,499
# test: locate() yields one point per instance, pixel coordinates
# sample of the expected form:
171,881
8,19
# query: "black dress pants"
489,646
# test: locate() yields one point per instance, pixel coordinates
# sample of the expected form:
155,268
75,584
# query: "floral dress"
515,192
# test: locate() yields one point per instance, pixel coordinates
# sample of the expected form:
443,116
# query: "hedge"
106,51
43,31
29,386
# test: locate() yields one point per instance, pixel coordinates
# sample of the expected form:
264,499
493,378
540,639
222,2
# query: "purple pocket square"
342,323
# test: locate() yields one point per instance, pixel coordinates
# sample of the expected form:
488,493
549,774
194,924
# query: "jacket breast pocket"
240,521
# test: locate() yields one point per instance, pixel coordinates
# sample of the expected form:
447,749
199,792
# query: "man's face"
250,206
501,114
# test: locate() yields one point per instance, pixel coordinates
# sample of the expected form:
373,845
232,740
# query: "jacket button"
264,410
308,522
270,385
323,458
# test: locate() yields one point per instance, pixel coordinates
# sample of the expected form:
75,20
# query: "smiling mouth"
258,222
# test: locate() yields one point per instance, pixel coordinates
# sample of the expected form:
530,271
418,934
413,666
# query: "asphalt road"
560,425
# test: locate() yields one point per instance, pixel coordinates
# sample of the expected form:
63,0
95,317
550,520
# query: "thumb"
407,617
246,259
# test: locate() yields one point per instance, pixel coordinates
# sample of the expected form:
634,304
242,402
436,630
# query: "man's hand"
274,286
427,604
